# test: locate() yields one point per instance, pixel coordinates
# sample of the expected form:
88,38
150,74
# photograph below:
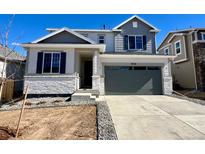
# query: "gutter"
64,46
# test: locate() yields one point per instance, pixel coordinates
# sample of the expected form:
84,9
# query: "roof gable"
54,36
137,17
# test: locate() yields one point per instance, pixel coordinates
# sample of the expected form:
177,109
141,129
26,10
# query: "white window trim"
165,50
101,39
135,43
51,61
177,48
202,33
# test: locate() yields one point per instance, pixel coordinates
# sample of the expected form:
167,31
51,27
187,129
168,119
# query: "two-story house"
188,68
122,60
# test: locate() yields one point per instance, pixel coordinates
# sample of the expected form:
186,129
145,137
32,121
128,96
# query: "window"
178,47
166,51
101,39
131,42
51,62
135,24
203,36
139,42
135,42
47,63
56,63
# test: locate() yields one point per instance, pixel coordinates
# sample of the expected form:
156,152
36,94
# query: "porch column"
96,71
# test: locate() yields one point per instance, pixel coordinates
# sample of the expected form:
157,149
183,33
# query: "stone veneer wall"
65,84
98,84
167,79
199,59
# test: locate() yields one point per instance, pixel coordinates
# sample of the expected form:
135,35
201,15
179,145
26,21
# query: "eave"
101,47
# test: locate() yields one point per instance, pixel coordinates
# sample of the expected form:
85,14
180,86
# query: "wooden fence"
8,90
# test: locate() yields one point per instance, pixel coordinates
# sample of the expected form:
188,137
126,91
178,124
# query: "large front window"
51,62
135,42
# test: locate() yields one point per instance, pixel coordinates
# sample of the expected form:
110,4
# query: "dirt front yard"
58,123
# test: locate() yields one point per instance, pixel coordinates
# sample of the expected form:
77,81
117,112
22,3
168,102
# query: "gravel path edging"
197,101
105,125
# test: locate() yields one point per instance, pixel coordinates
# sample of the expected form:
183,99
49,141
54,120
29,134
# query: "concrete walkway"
156,117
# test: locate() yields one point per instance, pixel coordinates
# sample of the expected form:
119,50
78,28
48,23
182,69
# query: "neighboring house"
14,68
188,67
122,60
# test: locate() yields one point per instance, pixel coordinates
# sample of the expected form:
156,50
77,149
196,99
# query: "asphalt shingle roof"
12,56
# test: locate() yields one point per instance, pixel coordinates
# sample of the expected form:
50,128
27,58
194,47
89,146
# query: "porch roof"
101,47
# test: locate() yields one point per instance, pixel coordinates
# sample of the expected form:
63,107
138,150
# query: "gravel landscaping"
106,129
105,126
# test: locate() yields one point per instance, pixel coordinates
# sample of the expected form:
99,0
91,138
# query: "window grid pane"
101,39
131,42
203,36
47,63
177,45
56,63
178,50
166,51
138,42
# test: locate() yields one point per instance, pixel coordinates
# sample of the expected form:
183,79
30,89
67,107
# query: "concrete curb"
197,101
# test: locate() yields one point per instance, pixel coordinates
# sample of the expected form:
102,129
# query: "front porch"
87,68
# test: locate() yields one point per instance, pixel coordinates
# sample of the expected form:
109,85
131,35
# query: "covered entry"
142,80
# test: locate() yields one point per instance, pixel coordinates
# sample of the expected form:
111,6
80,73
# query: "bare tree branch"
6,48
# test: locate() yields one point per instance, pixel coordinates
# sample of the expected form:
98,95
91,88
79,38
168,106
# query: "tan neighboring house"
188,68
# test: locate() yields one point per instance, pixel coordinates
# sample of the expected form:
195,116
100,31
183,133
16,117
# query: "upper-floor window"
135,42
51,62
166,51
203,36
178,47
101,39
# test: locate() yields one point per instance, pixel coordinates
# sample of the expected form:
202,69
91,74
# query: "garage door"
133,80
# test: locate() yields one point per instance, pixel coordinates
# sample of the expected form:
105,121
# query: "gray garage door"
133,80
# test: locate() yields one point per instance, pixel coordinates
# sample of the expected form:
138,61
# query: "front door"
88,71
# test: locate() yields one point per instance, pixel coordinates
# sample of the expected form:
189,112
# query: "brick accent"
199,58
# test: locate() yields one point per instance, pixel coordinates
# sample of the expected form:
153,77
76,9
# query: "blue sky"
31,27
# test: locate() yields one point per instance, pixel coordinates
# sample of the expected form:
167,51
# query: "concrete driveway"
156,117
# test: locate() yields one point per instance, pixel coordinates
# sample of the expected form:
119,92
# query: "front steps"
85,95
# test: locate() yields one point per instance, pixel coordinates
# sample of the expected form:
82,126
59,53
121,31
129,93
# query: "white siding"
32,60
